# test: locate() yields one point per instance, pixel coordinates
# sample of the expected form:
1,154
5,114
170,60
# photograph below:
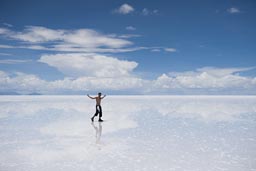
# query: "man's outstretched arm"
90,96
103,96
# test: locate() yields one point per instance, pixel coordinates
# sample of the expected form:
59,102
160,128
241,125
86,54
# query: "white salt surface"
145,133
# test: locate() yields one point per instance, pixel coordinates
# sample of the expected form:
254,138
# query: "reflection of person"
98,106
98,131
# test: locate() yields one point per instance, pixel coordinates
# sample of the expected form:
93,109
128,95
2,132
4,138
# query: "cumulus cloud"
90,83
95,65
125,9
233,10
83,72
206,80
20,82
27,83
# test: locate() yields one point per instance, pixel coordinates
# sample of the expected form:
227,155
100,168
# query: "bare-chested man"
98,106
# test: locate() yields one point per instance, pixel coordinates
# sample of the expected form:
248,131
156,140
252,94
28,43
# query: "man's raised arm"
90,96
103,96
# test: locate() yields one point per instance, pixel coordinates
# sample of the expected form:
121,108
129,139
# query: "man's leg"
100,114
96,113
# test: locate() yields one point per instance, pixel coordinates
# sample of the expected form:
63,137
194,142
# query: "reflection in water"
151,133
98,132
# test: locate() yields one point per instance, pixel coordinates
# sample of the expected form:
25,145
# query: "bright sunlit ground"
145,133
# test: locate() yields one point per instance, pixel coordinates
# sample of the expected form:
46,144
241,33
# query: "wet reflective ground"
195,133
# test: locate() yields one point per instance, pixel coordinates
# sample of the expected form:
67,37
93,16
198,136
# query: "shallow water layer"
49,133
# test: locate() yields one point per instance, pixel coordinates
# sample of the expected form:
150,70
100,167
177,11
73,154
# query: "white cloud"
130,28
147,12
4,31
89,65
104,83
71,48
13,61
207,78
91,38
3,75
155,50
5,54
155,11
34,47
35,34
170,49
126,36
125,9
219,72
6,46
27,83
20,82
233,10
80,40
8,25
58,40
67,48
90,72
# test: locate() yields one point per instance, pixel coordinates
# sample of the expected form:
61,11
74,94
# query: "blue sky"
128,47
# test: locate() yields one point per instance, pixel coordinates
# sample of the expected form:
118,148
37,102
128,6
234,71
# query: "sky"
128,47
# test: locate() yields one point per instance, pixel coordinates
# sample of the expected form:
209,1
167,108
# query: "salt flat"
51,133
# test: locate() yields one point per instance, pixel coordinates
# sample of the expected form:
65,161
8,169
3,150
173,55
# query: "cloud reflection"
49,133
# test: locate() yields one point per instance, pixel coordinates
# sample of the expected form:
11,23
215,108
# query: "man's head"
99,94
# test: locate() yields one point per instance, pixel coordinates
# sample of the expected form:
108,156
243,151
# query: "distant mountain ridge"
9,93
35,93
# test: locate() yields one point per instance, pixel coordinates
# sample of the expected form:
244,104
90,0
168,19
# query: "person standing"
98,106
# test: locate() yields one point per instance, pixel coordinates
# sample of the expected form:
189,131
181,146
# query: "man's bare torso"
98,100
